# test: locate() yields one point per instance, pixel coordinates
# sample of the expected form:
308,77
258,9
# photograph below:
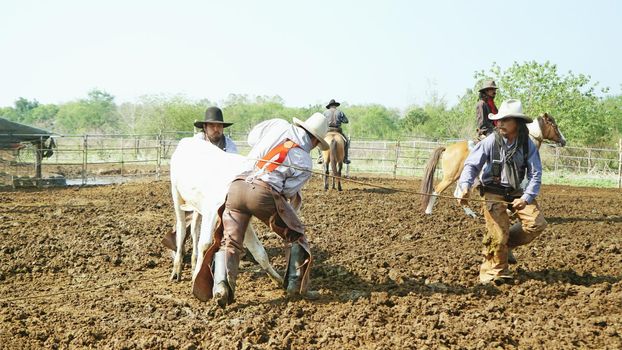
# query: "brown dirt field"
83,267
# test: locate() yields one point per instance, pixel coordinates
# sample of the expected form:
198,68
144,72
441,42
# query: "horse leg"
339,167
326,175
333,166
252,242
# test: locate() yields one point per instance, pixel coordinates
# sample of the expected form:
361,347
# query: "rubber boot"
297,257
222,291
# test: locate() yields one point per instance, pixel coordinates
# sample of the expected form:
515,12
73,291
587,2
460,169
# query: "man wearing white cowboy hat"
485,106
264,192
506,156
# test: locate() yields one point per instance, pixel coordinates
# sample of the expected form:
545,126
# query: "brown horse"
543,128
333,158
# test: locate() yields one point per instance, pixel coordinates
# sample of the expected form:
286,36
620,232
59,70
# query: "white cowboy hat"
488,84
317,125
510,109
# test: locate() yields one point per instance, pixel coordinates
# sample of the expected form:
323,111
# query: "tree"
570,98
96,113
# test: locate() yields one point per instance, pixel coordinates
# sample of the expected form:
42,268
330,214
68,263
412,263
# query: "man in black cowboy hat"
213,130
485,106
335,119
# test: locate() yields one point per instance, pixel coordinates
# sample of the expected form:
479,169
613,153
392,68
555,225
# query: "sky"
393,53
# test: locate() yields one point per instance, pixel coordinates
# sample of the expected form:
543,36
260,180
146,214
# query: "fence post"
159,156
122,154
84,157
620,163
556,160
397,157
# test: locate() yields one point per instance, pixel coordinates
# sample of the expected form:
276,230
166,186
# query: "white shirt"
230,146
269,134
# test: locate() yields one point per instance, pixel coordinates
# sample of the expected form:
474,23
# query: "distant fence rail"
97,159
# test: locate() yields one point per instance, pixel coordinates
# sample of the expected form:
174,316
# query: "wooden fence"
97,159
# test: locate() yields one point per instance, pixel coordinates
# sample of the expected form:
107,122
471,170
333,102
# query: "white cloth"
269,134
230,146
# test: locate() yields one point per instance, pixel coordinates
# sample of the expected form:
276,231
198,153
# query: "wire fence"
102,159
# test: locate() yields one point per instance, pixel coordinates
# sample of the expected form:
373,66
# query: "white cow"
200,177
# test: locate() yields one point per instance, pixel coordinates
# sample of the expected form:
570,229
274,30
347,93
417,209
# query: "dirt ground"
83,267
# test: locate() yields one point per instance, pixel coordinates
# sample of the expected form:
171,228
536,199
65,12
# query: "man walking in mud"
212,130
506,156
264,192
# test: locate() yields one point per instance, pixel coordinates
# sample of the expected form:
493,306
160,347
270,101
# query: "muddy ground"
83,267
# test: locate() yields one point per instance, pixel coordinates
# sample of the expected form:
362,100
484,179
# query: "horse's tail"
427,183
333,156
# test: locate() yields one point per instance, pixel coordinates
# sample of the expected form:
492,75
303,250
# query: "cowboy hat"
488,84
212,115
316,125
333,103
510,109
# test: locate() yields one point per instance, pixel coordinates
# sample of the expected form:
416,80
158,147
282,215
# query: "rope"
382,187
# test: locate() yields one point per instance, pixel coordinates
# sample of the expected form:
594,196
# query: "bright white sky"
388,52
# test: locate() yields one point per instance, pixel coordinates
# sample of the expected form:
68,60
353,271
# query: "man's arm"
482,112
534,174
474,163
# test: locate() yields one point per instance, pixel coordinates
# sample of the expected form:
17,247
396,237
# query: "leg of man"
346,151
495,264
531,224
235,221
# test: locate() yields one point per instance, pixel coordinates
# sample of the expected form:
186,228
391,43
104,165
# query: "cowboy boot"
511,257
297,257
223,288
346,148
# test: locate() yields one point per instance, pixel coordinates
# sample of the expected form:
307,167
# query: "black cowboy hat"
333,103
212,115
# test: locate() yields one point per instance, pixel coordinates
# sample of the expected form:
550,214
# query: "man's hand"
519,204
463,196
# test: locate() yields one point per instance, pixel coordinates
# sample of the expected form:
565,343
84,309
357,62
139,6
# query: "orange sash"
267,164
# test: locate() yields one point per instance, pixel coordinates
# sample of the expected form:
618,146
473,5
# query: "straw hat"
488,84
317,125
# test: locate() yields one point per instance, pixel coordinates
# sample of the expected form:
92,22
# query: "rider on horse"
506,156
335,119
484,107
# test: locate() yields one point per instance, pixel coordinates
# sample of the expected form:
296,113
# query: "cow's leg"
253,244
180,235
206,237
195,225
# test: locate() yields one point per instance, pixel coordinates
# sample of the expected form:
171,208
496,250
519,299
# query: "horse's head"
550,130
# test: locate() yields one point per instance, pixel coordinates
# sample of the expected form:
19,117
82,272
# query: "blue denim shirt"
481,158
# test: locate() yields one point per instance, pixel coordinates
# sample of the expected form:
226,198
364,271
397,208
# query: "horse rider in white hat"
486,106
506,156
264,192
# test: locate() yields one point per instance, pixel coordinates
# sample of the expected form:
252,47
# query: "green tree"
96,113
571,98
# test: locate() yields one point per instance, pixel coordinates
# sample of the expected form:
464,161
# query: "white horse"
200,176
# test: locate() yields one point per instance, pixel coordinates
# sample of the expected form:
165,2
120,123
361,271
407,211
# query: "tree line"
586,113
